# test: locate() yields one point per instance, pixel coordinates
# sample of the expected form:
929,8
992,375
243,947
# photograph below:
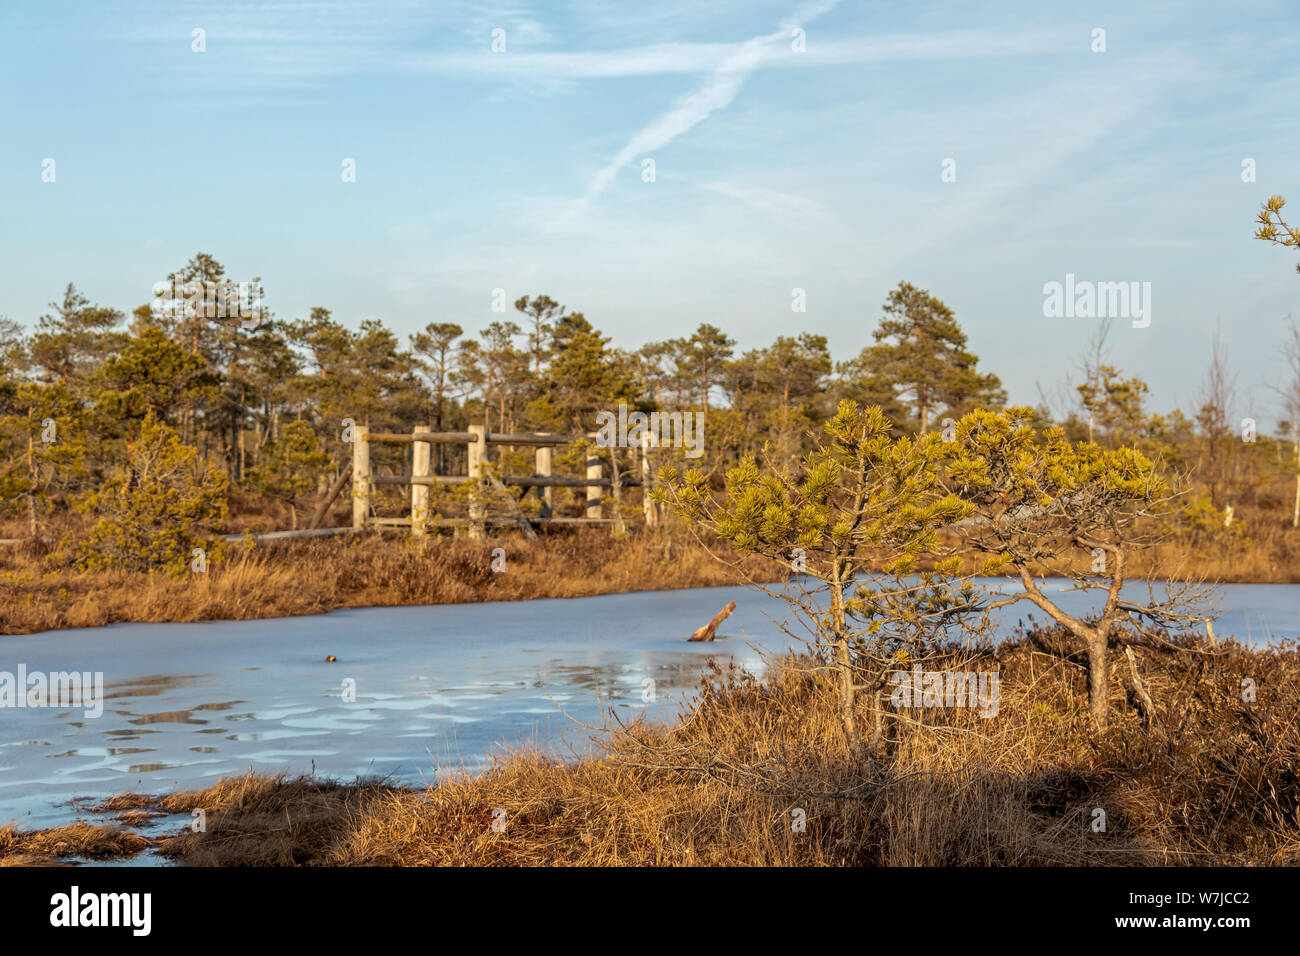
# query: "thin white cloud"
717,92
287,42
768,200
665,59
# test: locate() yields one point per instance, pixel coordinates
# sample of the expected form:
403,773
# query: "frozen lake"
437,689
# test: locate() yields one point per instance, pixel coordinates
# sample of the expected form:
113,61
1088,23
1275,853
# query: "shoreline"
316,576
294,579
1198,787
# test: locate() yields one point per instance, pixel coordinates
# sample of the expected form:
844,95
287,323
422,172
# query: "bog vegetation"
130,443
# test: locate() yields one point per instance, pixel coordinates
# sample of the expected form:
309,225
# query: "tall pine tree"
920,356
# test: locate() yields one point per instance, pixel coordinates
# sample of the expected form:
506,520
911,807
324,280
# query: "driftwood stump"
709,631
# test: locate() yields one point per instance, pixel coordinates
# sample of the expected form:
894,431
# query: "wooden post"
360,476
543,468
477,457
648,507
421,460
594,470
1295,435
1295,513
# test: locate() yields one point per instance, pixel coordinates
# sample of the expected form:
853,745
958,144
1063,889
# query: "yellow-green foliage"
58,465
864,502
155,508
1039,495
860,490
291,465
998,455
1202,520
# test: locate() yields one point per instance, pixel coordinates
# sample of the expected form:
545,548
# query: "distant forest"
264,403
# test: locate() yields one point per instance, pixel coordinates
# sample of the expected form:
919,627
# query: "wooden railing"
476,441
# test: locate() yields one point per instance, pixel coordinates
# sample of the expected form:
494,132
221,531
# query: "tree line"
264,403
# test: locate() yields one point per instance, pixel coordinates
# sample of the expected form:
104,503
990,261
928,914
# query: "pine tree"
151,374
920,355
155,508
584,376
1082,512
70,343
542,312
290,467
854,521
436,350
702,357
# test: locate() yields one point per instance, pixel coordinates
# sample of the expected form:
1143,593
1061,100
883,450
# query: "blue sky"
774,169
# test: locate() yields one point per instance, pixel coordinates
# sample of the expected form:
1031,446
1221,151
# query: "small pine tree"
156,507
290,467
855,519
1043,503
1273,228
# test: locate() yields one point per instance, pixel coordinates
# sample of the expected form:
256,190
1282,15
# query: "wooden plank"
462,522
443,438
579,521
383,524
387,524
501,438
427,480
526,481
538,481
279,535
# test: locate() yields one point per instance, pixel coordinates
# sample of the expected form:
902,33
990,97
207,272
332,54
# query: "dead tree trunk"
1098,679
1137,690
616,492
709,631
31,491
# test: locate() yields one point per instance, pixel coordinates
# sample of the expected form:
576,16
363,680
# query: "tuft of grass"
85,840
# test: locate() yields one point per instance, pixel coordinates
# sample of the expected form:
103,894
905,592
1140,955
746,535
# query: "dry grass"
88,841
312,576
1214,781
1269,552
